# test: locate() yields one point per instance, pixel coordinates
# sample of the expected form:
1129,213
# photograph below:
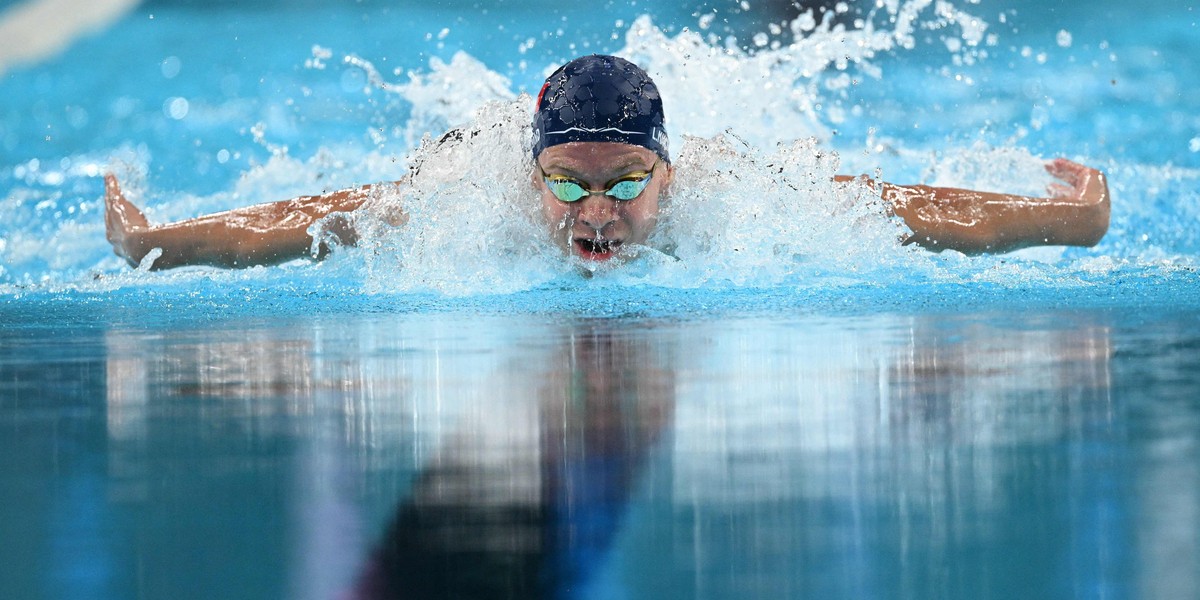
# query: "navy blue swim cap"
600,98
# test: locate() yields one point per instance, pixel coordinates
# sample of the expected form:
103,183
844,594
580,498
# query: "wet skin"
598,226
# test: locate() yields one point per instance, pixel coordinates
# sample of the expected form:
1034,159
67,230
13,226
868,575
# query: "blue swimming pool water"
802,408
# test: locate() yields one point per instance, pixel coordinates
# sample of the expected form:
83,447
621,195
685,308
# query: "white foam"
735,215
753,206
473,214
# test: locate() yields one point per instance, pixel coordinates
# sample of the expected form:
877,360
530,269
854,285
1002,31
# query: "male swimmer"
601,164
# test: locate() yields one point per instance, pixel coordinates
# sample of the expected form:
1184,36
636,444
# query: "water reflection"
431,457
917,458
526,500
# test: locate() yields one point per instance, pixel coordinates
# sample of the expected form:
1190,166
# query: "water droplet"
176,107
1063,38
170,66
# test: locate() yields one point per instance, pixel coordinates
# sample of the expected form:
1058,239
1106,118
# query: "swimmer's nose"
598,212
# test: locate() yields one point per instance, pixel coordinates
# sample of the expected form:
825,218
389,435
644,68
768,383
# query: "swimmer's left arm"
975,222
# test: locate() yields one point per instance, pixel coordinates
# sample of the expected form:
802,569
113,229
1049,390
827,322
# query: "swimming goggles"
628,187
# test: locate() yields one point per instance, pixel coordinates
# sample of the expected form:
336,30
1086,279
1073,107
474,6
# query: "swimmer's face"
597,226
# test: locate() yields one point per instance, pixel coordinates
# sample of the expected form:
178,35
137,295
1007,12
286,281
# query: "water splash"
472,214
743,211
448,95
753,204
757,218
790,91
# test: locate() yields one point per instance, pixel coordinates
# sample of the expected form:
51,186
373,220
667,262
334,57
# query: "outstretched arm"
255,235
973,222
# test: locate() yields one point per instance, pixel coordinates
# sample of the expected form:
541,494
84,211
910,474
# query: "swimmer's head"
600,98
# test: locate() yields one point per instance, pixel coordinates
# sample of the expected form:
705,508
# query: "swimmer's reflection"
527,501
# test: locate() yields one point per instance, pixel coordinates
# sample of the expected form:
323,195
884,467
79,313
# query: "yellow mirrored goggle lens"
567,190
571,190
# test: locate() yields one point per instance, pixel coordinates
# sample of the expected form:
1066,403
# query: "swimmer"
601,165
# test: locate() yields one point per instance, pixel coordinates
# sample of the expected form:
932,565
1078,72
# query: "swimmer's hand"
123,223
1086,187
1075,213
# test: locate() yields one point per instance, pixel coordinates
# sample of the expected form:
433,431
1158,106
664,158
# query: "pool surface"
796,407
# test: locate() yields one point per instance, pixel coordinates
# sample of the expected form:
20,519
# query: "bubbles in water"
804,23
320,54
170,66
1194,144
1063,38
176,107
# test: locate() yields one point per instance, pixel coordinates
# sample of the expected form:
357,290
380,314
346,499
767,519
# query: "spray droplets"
319,57
176,107
170,67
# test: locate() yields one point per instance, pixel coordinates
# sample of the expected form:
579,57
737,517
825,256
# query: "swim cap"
600,98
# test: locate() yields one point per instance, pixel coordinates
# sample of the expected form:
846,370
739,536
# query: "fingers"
112,198
1084,185
112,191
118,210
1066,170
111,187
1058,190
121,218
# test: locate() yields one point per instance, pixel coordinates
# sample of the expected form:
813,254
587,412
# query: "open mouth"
596,249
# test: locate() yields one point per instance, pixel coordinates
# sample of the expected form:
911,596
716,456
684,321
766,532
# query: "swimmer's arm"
974,222
262,234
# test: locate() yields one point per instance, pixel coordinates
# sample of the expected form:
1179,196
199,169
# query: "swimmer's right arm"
262,234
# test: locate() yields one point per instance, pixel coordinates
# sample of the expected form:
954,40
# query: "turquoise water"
884,455
799,407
